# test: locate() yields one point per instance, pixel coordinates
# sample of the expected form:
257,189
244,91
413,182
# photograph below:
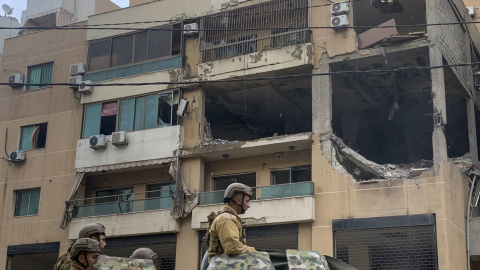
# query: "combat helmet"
234,188
91,229
84,244
145,253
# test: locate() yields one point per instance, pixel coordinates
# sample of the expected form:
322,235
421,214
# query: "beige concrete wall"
102,6
338,197
194,121
261,165
138,2
50,168
327,40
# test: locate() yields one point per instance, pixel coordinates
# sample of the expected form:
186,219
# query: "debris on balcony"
362,169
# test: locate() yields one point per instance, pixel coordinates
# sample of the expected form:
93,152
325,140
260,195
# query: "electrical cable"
237,29
376,71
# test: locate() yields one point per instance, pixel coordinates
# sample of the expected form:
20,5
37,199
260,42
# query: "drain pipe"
475,174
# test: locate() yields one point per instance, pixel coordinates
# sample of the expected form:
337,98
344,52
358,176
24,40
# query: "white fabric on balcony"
183,200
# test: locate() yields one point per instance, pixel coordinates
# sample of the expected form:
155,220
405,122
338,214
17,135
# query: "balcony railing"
271,24
117,205
262,193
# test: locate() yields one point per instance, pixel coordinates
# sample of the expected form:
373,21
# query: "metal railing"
263,193
118,205
277,23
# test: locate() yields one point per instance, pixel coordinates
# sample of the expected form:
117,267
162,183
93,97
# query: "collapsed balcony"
260,109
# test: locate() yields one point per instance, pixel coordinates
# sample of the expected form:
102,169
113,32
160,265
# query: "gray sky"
20,5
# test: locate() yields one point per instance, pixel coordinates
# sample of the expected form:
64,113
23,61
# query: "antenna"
8,10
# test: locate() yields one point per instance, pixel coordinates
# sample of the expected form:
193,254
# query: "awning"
162,161
70,204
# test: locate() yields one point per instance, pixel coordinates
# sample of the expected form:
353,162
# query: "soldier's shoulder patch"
250,261
306,260
120,263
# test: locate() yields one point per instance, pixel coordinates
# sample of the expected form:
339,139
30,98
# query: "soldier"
145,253
84,252
94,231
227,232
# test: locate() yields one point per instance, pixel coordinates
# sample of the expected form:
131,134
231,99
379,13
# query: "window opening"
33,137
113,198
27,202
134,48
100,119
39,74
291,175
159,196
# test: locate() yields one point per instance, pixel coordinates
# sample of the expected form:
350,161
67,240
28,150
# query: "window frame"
214,187
289,169
21,133
172,27
16,203
27,77
174,92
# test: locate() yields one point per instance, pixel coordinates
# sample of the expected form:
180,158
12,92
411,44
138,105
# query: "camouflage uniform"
247,261
227,234
306,260
118,263
64,262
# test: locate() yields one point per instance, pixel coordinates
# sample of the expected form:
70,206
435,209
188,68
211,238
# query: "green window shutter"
151,111
127,108
26,137
91,123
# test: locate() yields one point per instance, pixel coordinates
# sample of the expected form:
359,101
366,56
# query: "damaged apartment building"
355,122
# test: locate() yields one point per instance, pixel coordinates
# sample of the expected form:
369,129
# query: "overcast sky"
20,5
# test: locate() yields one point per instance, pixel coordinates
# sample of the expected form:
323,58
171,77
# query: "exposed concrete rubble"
362,169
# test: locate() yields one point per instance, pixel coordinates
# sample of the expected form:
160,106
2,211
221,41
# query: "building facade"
354,122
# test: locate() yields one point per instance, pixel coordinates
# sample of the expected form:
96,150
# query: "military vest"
214,240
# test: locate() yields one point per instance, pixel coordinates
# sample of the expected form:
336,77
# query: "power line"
377,71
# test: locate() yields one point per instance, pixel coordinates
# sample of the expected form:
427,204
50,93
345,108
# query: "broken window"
392,12
291,175
100,119
137,113
33,137
257,110
225,37
135,48
387,117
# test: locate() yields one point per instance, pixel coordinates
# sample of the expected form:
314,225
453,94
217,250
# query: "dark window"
39,74
119,200
122,48
291,175
135,48
159,196
33,137
222,182
99,54
27,202
32,256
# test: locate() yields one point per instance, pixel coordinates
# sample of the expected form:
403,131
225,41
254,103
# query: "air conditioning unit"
85,88
16,156
339,8
98,141
75,81
339,21
119,138
476,80
15,79
77,69
471,11
182,107
190,29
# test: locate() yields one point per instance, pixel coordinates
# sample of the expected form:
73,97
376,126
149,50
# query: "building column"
439,108
472,131
322,100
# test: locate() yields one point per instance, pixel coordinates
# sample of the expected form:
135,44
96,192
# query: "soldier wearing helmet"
95,231
227,232
145,253
84,252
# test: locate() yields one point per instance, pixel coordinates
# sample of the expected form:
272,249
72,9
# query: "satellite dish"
8,10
